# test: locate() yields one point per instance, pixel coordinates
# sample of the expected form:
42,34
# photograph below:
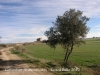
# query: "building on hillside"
39,39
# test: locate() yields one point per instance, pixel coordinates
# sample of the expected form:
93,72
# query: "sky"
27,20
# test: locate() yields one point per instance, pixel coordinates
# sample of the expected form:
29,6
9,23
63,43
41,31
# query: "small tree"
68,30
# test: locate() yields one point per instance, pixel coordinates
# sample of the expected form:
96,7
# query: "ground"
11,64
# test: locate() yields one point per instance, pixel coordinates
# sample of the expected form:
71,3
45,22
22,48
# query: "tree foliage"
68,30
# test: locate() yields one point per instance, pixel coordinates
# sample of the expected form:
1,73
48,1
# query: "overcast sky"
26,20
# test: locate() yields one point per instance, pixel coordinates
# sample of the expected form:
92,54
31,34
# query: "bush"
23,50
0,53
3,45
96,73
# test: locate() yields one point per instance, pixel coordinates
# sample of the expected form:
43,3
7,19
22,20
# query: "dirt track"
11,64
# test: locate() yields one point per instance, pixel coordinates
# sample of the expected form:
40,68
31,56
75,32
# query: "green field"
86,55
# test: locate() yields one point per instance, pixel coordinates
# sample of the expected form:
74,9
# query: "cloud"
21,39
93,34
97,26
56,6
10,1
24,19
62,5
11,34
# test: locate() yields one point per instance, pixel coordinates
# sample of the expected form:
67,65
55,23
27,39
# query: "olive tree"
68,30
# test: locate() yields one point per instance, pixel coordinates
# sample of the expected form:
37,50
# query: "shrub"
0,53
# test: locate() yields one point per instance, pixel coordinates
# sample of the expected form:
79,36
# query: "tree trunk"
67,54
66,57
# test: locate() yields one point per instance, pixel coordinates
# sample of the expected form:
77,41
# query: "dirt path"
11,64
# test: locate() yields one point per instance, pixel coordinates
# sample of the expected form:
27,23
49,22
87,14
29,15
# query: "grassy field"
87,55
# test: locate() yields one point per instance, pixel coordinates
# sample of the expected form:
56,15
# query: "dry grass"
96,73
